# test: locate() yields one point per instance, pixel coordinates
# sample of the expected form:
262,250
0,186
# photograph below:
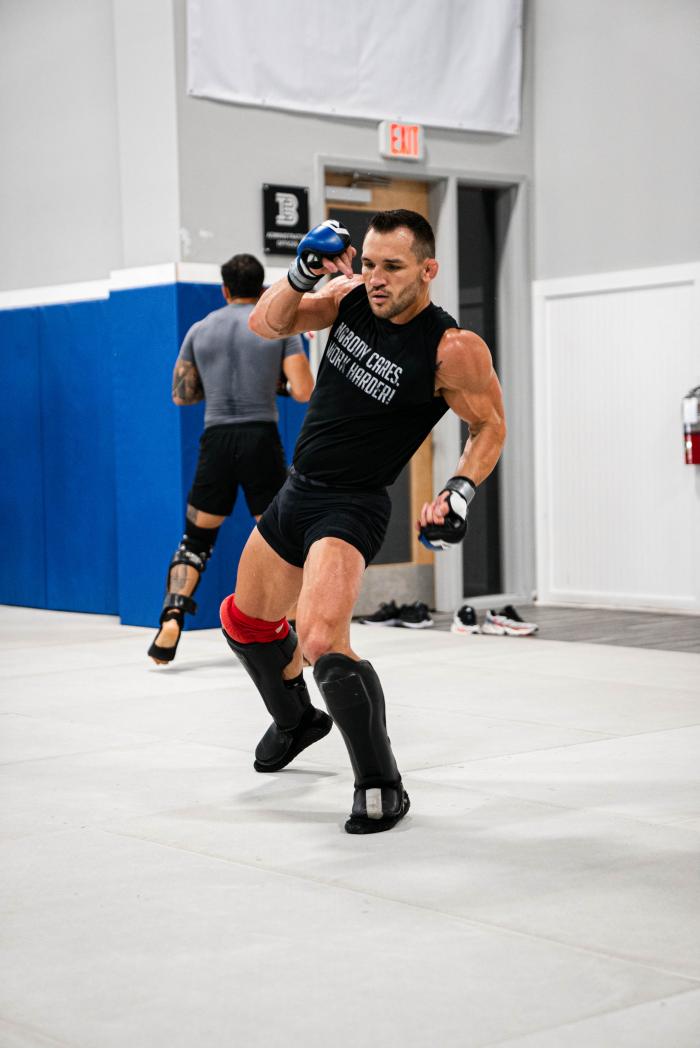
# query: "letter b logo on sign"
287,209
285,217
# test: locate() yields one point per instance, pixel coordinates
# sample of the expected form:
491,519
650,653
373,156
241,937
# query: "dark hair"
423,236
243,275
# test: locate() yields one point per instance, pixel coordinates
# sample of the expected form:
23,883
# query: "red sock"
247,630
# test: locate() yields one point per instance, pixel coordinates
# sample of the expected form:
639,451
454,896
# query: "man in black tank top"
393,365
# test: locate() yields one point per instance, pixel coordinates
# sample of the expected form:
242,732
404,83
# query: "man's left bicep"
477,409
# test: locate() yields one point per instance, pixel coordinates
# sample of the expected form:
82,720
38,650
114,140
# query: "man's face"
395,279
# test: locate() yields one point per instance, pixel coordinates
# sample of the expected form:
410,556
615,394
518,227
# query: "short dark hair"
243,275
423,236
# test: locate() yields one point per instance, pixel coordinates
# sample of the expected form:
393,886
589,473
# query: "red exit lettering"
404,139
401,140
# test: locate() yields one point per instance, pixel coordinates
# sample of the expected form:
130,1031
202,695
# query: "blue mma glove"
325,241
460,491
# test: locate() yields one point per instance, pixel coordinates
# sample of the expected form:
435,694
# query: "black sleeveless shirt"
374,402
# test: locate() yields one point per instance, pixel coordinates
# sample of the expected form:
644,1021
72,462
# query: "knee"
316,639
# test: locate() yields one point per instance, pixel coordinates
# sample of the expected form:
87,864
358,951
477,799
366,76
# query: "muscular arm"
187,384
298,373
282,311
467,381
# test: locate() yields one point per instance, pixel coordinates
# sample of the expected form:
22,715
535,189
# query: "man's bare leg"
332,577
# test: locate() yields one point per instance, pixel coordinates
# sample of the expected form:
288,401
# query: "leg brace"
194,551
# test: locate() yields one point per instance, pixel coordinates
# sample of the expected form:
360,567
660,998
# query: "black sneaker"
376,810
415,616
464,620
385,615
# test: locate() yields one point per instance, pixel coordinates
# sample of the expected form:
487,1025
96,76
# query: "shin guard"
355,700
296,723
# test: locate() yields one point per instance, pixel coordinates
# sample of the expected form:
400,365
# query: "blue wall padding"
78,457
98,461
23,563
148,451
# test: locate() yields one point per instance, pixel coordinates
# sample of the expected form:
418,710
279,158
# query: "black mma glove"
282,388
325,241
460,491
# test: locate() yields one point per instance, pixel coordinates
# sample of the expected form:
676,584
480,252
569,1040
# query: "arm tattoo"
187,385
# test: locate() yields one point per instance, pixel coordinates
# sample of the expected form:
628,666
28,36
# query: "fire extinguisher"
691,426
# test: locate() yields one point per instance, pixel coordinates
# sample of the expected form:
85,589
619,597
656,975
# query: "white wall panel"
618,510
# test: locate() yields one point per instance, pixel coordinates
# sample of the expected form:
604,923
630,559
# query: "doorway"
478,261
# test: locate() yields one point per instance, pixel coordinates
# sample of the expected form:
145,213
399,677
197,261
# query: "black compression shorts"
245,453
304,512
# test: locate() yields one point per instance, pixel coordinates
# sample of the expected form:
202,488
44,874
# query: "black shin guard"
355,700
296,724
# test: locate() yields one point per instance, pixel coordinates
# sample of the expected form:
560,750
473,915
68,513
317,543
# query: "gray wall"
227,152
614,149
617,148
59,176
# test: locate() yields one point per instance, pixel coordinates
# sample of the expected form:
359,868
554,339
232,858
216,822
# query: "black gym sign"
285,218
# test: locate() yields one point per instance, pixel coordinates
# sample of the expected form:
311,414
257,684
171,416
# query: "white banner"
445,63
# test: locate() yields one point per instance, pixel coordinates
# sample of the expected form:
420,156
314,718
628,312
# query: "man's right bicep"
320,309
315,313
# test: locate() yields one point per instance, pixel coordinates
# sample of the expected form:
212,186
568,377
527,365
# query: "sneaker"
415,616
507,622
385,615
464,620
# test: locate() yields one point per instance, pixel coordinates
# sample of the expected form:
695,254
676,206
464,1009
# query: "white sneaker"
464,620
507,622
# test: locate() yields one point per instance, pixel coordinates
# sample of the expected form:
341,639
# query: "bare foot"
167,638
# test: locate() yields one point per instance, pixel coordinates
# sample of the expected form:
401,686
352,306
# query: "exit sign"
401,141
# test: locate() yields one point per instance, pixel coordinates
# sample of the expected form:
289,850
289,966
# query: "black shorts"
245,453
303,512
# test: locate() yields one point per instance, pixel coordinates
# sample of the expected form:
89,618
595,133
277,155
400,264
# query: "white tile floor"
544,891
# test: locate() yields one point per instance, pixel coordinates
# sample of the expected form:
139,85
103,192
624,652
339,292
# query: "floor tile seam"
506,720
605,679
568,676
49,1038
9,838
580,742
661,731
157,740
165,739
585,809
526,753
203,662
69,645
585,1018
77,753
454,917
536,677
